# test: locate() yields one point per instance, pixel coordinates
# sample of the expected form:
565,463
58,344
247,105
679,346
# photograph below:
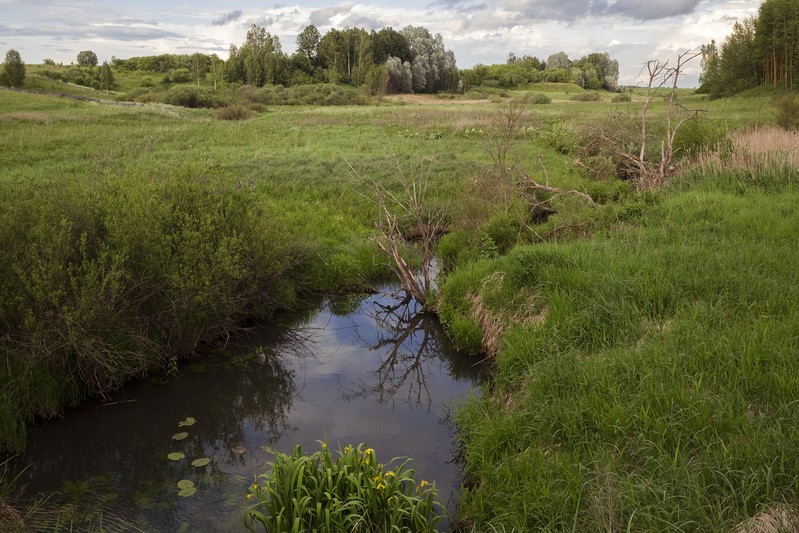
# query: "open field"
645,345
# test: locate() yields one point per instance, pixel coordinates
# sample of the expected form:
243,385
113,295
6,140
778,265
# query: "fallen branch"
530,183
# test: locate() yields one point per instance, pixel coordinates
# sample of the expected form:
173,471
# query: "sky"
478,31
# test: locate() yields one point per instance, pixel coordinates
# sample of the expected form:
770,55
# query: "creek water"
357,369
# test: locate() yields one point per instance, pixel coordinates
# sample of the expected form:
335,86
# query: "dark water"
357,370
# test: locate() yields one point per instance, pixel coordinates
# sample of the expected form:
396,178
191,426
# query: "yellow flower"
249,496
324,446
254,486
390,473
376,478
423,483
380,486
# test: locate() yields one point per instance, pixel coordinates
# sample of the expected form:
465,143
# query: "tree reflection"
410,347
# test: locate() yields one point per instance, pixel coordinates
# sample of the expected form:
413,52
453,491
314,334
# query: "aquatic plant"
318,492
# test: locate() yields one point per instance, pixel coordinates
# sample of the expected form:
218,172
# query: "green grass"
646,378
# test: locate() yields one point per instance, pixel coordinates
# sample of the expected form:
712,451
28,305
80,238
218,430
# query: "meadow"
644,343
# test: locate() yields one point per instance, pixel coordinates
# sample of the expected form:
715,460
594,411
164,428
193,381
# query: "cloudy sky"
478,31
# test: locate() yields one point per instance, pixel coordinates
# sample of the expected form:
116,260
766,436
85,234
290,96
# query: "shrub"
621,98
352,492
540,98
189,96
105,280
586,97
788,112
234,112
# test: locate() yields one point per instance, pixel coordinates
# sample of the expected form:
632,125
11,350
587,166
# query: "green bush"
234,112
190,96
586,97
621,98
788,112
540,98
352,492
104,280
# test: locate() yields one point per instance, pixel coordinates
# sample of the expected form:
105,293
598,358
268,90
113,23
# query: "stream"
357,369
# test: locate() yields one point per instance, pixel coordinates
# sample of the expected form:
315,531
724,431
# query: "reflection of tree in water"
409,343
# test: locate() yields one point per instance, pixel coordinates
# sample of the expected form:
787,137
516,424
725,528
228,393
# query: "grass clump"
586,97
234,112
351,492
540,98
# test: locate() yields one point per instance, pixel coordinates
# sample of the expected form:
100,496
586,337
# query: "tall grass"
656,390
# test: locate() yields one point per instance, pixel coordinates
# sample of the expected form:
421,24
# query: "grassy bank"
645,378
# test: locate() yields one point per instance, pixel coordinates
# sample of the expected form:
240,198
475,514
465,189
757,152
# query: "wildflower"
324,446
423,483
390,473
380,486
249,496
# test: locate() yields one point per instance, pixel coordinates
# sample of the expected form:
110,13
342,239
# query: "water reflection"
408,345
334,373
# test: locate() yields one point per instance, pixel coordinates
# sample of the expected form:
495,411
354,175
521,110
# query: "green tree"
261,56
13,69
87,58
107,82
199,67
308,42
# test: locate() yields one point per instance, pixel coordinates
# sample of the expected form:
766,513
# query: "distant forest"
761,50
387,61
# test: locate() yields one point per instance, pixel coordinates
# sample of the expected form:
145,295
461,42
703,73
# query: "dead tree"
659,75
408,225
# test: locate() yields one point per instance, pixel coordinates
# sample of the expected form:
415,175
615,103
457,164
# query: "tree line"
761,50
409,60
593,71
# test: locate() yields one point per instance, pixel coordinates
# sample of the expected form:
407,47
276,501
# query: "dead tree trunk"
408,225
659,75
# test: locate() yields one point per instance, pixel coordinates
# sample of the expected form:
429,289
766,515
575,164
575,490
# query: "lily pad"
175,456
238,449
189,421
201,461
180,436
185,484
190,491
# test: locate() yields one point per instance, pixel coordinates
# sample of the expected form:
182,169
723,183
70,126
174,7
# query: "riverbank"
645,378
